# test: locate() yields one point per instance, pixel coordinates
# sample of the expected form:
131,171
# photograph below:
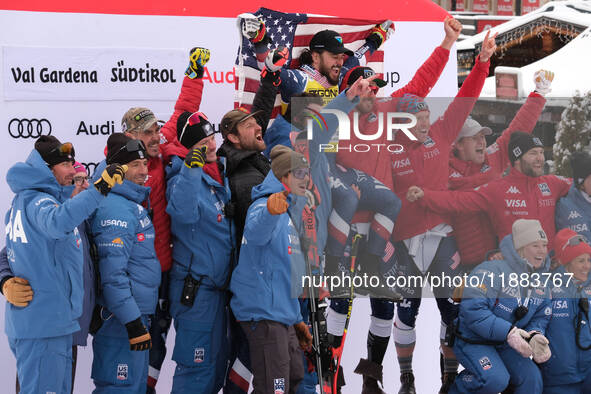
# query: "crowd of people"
172,229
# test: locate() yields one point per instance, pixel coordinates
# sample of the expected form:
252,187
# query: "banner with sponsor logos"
96,74
79,90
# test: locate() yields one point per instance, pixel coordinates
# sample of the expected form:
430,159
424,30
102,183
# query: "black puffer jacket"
245,169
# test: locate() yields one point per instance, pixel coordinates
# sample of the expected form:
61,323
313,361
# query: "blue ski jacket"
203,237
568,363
495,289
129,269
574,211
43,246
266,283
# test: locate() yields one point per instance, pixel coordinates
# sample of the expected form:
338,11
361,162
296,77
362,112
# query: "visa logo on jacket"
515,203
579,227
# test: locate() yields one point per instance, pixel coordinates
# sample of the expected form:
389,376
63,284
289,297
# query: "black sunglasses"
131,146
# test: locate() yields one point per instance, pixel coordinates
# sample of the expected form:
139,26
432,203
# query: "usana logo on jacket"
113,222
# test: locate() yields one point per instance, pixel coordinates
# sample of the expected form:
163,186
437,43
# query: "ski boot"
408,383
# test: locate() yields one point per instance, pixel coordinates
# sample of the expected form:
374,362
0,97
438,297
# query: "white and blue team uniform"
43,246
574,211
487,313
569,369
204,240
130,276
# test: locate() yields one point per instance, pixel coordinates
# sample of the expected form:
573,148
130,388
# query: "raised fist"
198,57
277,58
452,28
251,27
277,203
381,33
543,80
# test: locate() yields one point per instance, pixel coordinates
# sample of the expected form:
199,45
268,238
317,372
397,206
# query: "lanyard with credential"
522,309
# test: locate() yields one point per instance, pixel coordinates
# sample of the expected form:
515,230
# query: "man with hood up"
44,247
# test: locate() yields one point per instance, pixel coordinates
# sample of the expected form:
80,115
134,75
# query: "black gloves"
139,337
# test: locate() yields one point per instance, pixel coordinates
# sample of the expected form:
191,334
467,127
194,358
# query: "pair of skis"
321,353
335,380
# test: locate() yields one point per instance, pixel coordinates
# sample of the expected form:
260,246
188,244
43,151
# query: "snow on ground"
425,363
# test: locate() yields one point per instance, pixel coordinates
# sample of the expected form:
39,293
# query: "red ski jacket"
427,164
473,231
160,219
504,200
189,100
377,163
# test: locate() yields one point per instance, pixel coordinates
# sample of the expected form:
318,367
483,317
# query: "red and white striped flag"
295,31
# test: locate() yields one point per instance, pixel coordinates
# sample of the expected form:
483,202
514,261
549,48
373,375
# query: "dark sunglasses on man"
130,147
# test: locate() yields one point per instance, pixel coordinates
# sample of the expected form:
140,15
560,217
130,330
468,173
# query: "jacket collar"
234,156
132,191
464,167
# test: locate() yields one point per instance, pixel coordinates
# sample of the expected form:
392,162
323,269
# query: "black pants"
275,355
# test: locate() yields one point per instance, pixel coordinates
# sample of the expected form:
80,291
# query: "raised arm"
428,74
189,99
260,222
449,125
450,201
185,188
525,120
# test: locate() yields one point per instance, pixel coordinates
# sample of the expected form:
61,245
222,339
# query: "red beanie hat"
569,245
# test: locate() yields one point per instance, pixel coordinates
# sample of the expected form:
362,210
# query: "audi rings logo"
29,128
90,167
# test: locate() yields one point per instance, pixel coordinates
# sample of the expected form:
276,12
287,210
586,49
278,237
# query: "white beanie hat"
526,231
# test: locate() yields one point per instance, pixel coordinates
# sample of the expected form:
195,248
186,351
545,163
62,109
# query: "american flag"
389,251
295,31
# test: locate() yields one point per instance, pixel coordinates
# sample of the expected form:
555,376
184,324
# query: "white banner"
96,74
